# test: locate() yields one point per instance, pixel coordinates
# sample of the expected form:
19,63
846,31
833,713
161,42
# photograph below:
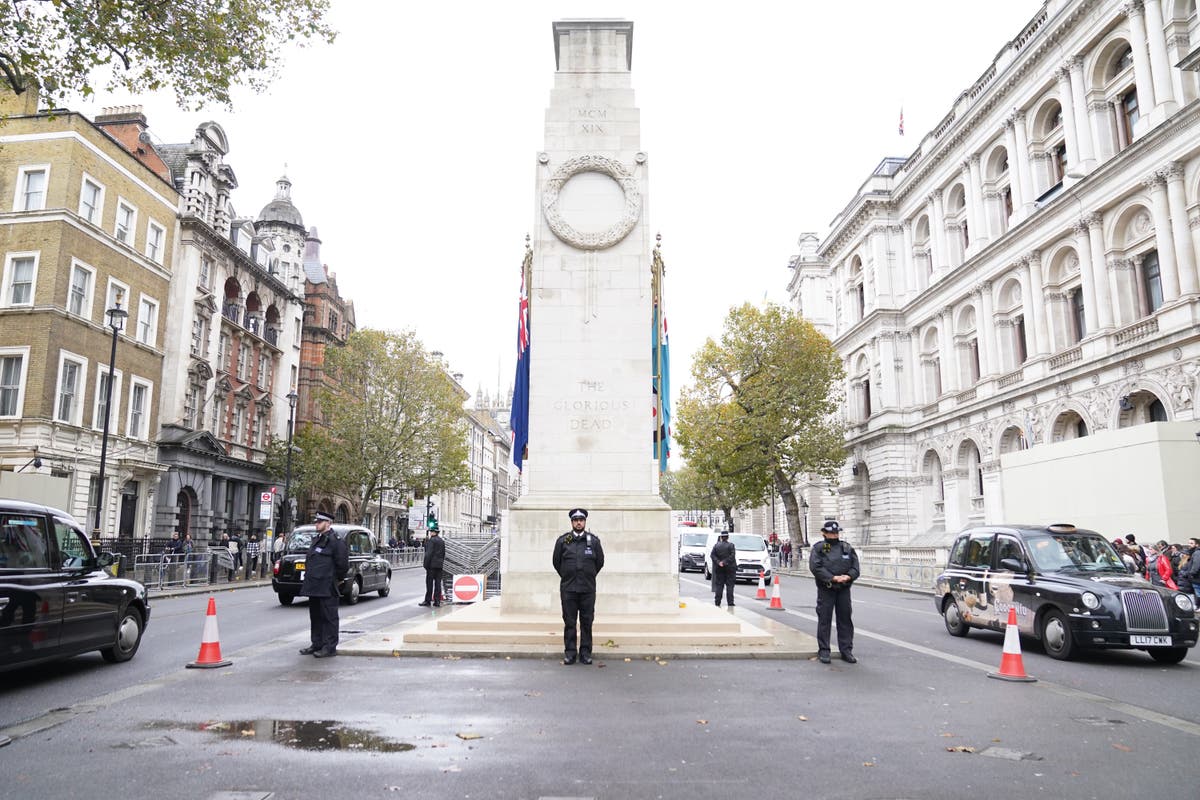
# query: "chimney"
122,115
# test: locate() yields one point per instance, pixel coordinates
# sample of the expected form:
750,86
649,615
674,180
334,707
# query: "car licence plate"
299,566
1151,641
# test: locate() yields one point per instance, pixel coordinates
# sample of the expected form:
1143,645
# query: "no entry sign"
469,588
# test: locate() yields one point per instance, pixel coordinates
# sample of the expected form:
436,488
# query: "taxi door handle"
73,597
3,602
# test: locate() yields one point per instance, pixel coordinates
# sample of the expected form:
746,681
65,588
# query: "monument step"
618,639
544,625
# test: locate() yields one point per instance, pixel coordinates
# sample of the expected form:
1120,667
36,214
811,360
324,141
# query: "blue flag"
661,367
519,417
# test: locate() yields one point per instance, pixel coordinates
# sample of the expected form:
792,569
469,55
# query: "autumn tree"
200,49
391,420
762,408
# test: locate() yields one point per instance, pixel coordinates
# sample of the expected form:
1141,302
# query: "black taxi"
1069,588
369,570
57,599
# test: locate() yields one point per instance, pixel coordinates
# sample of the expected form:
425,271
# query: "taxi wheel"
352,593
1056,636
955,624
1168,655
129,636
286,599
387,586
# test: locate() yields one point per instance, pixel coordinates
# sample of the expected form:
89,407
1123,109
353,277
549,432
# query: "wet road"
1111,725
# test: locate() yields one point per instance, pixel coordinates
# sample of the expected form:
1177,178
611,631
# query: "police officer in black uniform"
325,566
578,558
724,568
834,566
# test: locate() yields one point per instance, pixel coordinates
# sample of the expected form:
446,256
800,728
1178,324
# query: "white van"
691,548
752,556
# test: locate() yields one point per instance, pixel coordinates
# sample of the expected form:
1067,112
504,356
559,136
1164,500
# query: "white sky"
411,144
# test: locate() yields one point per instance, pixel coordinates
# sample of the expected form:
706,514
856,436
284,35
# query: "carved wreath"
618,230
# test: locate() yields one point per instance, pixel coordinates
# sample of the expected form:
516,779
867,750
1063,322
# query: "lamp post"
285,517
804,519
116,320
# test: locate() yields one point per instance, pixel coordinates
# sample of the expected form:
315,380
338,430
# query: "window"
155,237
333,320
31,188
191,406
973,361
1157,411
20,277
223,347
101,405
866,399
243,362
264,370
79,295
72,371
296,340
1058,164
966,236
1007,196
126,220
1128,117
1079,328
937,376
205,271
147,324
260,429
239,415
1020,349
1152,280
12,380
139,409
979,551
200,335
1008,547
1123,63
91,201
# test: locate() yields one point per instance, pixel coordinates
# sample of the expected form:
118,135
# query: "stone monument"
590,427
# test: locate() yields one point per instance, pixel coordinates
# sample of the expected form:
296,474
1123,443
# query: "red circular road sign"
469,588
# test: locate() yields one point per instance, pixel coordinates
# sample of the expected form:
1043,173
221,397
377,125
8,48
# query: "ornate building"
1027,275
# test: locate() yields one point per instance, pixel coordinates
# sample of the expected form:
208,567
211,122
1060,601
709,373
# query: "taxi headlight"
1090,600
1184,602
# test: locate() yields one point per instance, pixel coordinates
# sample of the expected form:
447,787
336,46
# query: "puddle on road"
298,734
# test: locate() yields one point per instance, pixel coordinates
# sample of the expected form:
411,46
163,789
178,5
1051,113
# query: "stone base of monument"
482,630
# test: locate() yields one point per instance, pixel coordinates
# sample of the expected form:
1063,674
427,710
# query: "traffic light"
431,521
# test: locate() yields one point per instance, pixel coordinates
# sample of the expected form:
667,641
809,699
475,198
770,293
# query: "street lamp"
804,519
116,320
285,517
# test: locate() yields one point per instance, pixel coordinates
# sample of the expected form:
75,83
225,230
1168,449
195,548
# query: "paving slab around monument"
481,631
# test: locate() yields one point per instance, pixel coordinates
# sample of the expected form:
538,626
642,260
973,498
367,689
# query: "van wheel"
1056,635
952,616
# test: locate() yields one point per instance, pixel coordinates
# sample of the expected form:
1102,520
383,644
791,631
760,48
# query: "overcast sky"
411,145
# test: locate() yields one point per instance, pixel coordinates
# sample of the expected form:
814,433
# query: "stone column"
1063,75
888,355
219,522
1014,173
1033,267
946,351
987,326
979,224
1028,192
883,276
1185,252
917,378
1084,246
1083,125
903,265
1141,61
1157,184
1139,279
941,255
1160,66
1099,269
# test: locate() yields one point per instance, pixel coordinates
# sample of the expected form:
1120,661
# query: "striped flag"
901,120
519,417
660,359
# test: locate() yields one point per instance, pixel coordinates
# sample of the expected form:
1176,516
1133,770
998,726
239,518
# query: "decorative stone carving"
1133,8
1176,353
1071,264
1172,171
1153,180
1181,385
1093,220
1099,403
1062,389
615,232
1008,406
1073,62
1133,366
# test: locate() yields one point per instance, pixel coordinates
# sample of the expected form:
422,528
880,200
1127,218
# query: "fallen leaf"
533,693
465,736
662,663
1124,748
601,665
802,718
247,732
868,763
948,735
960,748
628,660
701,722
451,768
386,639
995,740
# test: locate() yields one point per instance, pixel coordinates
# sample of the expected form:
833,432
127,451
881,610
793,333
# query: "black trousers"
433,585
725,579
828,602
323,621
583,606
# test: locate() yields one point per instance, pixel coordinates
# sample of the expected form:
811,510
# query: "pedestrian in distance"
325,566
434,561
1188,574
253,548
235,550
724,568
578,559
834,566
226,544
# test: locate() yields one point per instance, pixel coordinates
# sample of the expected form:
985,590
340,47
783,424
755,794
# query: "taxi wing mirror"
1013,565
105,560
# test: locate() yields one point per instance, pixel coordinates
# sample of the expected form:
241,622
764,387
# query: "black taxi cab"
1069,589
369,570
57,599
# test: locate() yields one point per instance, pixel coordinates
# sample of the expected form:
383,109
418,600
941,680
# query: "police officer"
325,566
578,558
434,562
834,565
724,567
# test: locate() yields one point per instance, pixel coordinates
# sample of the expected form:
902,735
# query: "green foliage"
198,48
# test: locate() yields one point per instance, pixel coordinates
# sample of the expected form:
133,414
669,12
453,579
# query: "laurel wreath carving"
618,230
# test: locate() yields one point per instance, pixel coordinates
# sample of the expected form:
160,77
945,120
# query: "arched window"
1152,281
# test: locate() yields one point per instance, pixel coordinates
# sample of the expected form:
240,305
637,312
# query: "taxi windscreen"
1073,552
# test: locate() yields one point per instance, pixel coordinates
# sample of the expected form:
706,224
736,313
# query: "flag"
901,120
660,359
519,416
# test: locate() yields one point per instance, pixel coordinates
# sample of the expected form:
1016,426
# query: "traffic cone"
210,642
776,600
1012,668
761,594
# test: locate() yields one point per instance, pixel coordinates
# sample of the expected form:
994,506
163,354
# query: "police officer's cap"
578,513
831,526
322,517
723,535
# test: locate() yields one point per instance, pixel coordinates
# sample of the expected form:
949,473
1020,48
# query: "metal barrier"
160,572
908,568
404,557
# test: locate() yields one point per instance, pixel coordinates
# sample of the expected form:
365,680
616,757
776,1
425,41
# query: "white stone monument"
590,427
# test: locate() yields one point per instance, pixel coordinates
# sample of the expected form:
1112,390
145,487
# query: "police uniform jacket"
578,558
833,558
724,550
325,565
435,553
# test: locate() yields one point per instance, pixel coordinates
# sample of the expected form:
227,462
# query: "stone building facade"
1027,275
88,223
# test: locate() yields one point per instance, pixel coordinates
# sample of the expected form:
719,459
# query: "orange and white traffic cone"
761,594
210,642
1012,668
776,600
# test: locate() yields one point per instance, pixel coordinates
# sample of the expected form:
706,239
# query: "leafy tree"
199,48
687,487
717,471
762,408
391,419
